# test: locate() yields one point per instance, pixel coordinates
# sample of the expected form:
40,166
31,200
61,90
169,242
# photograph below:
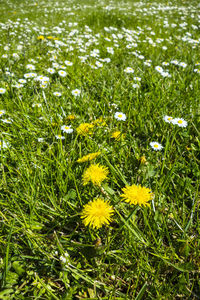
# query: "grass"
152,252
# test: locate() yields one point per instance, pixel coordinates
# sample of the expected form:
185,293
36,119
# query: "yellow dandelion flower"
40,37
88,157
85,129
143,160
117,135
71,117
99,122
97,213
96,174
136,194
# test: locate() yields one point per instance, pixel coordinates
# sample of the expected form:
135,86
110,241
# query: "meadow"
99,143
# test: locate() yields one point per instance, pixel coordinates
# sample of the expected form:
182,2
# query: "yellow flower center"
156,146
120,116
180,121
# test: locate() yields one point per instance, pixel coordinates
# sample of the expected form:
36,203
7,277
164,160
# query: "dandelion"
71,117
2,91
76,92
156,146
88,157
168,119
120,116
96,174
97,213
85,129
66,128
180,122
117,135
136,194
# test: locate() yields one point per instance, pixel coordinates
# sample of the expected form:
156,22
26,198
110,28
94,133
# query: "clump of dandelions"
136,194
97,213
96,174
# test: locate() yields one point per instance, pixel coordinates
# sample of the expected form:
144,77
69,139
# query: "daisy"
2,112
180,122
62,73
156,146
60,137
120,116
66,128
136,194
3,145
57,94
128,70
97,213
8,121
68,63
2,91
168,119
76,92
51,70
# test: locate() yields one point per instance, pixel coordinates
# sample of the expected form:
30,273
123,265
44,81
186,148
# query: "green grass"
145,252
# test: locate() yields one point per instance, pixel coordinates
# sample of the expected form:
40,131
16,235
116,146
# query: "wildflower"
180,122
143,160
76,92
85,129
62,73
51,70
7,121
168,119
96,174
57,94
136,86
136,194
97,213
30,67
60,137
71,117
66,128
68,63
88,157
2,91
2,112
3,145
128,70
40,37
117,135
156,146
120,116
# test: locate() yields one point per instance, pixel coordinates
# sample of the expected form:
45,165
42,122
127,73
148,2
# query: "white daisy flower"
68,63
60,137
2,91
2,112
120,116
8,121
62,73
129,70
156,146
168,119
76,92
3,145
180,122
51,70
58,94
66,128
